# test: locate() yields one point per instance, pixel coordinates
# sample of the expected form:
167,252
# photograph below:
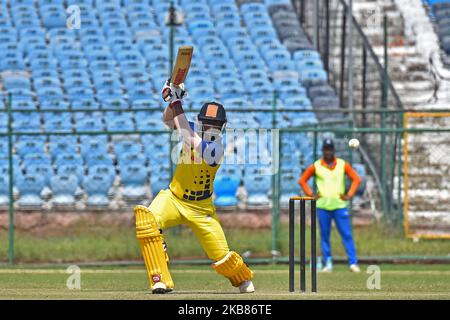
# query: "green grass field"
52,252
201,282
114,243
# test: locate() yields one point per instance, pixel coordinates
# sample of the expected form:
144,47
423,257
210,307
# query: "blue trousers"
342,220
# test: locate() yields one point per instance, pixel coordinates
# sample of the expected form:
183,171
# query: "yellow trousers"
200,216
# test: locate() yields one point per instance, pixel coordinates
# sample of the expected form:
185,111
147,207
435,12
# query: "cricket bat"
182,64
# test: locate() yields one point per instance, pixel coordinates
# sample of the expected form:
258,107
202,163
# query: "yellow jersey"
194,174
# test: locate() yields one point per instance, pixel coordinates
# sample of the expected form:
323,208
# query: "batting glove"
171,93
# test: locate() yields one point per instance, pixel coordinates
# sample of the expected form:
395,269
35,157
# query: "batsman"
188,199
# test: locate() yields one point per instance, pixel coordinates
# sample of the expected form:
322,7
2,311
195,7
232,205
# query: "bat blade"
182,64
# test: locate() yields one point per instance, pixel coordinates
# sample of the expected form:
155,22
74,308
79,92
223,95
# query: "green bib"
331,185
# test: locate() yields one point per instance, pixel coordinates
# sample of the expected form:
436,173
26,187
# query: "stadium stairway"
412,44
421,77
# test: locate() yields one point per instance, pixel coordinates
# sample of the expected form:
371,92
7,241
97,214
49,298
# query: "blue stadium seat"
42,170
227,16
134,177
306,54
297,102
258,187
145,104
159,178
58,122
93,146
85,104
64,189
20,94
253,7
21,2
97,188
269,3
36,159
4,162
67,139
53,17
29,122
155,143
4,145
100,138
104,170
68,159
50,93
126,159
29,146
45,82
308,64
90,124
127,146
225,188
16,81
98,159
312,77
60,147
23,105
238,102
289,187
30,188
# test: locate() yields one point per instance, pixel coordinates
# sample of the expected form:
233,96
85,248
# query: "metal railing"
343,129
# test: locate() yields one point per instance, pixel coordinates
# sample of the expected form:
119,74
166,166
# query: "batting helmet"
212,113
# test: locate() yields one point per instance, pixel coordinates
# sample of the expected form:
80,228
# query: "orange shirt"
349,171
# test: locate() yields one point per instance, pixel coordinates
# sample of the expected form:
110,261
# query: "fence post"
392,175
275,179
172,23
326,57
350,59
315,158
399,172
364,87
341,89
386,210
11,184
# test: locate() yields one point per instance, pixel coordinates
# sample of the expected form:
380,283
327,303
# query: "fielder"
332,200
188,199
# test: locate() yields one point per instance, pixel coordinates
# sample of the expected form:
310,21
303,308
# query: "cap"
328,143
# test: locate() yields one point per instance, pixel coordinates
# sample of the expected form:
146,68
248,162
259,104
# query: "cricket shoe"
327,269
328,266
246,287
354,268
159,288
169,289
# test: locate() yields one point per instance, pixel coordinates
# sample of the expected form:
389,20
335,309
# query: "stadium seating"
245,52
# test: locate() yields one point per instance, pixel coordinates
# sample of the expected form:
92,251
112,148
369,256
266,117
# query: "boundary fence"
343,130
